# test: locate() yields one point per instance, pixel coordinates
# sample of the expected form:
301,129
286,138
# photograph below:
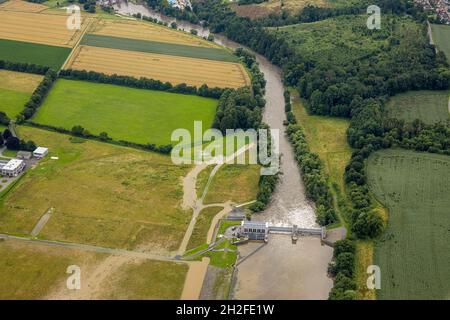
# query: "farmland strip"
158,47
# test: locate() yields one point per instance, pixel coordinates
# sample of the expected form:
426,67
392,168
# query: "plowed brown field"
172,69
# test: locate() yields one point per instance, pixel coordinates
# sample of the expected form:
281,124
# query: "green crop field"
441,37
413,253
24,52
158,47
428,106
137,115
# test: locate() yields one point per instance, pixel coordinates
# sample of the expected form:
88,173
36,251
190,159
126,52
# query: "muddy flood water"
280,269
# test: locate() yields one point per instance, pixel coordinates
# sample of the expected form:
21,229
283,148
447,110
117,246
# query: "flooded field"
282,270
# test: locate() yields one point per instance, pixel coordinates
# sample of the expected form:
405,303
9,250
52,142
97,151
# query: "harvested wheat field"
50,29
18,5
165,68
146,31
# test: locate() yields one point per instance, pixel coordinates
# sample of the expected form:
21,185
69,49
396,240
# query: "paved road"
42,222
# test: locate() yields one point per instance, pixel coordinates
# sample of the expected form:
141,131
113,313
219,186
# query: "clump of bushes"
342,269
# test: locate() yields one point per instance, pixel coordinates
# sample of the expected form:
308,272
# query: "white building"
12,168
40,152
180,4
254,230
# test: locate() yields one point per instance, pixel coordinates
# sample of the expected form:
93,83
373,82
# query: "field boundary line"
76,47
92,248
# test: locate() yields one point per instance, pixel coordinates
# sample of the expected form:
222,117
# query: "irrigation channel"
280,270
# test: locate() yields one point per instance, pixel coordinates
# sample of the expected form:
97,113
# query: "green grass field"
158,47
15,90
428,106
101,194
12,102
413,253
327,136
441,37
24,52
202,225
137,115
235,182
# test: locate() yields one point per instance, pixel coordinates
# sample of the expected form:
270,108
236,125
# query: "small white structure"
254,230
12,168
40,152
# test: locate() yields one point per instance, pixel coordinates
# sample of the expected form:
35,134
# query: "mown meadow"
136,115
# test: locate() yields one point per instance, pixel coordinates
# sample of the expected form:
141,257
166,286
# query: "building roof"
12,164
255,224
24,153
40,150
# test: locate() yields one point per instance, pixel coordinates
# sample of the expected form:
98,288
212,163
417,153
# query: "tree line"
342,269
38,96
23,67
141,83
313,175
79,131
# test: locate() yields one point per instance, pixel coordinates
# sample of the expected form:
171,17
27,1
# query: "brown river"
280,269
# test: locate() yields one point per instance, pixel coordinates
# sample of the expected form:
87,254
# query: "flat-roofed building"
12,168
254,230
40,152
25,155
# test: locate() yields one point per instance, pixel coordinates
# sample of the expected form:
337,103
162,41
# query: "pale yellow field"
50,29
172,69
18,5
19,81
146,31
